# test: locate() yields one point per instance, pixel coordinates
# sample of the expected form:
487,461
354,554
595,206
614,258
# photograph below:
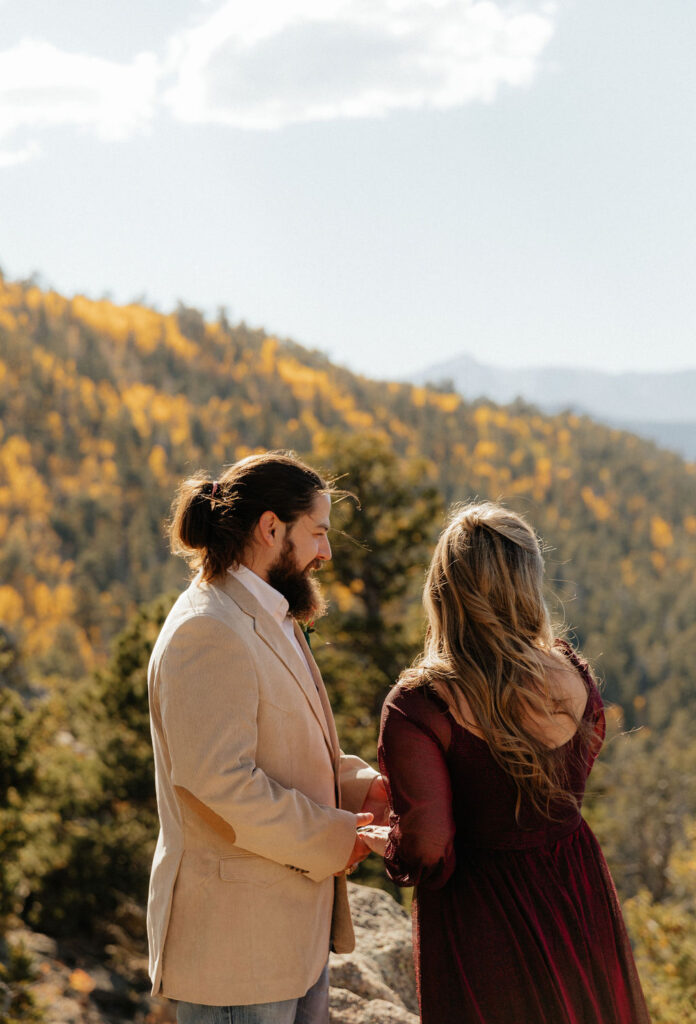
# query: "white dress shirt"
273,602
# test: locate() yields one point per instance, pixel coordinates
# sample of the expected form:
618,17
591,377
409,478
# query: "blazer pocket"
253,870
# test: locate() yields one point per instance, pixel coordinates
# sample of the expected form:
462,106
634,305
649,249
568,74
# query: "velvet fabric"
514,923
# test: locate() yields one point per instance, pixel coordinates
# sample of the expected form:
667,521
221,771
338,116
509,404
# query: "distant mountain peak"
661,406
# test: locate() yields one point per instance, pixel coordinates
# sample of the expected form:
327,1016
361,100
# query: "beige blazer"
251,786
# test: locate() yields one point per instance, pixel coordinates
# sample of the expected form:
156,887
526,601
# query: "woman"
485,747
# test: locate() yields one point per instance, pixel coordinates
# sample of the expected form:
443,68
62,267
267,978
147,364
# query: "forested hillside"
104,409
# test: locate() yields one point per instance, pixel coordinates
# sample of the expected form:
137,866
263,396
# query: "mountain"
105,408
658,406
679,436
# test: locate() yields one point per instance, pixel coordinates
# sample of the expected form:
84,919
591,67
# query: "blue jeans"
311,1008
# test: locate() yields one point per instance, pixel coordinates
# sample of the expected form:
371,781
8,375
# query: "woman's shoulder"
582,667
412,697
566,649
413,705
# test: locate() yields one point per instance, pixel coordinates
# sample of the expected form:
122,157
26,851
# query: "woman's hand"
375,837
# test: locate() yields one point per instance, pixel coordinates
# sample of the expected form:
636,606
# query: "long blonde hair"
488,645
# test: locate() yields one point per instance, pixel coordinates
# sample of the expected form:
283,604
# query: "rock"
347,1008
110,992
354,973
77,990
37,943
375,984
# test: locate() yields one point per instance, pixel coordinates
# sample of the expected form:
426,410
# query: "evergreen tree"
97,848
381,543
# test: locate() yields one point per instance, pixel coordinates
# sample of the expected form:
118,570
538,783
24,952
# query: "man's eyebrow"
323,525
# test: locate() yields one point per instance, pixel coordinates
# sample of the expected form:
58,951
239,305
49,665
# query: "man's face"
309,533
305,547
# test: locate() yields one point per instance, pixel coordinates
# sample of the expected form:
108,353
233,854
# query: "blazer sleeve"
355,777
208,696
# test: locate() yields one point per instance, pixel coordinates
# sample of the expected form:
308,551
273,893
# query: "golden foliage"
11,605
80,981
597,504
108,406
661,533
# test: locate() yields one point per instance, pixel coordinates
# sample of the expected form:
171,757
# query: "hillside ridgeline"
105,408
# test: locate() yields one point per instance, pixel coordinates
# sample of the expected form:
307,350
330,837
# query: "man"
258,805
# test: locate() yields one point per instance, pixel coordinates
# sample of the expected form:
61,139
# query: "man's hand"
360,850
376,802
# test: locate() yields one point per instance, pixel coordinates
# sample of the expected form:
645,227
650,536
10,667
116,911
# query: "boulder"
347,1008
375,984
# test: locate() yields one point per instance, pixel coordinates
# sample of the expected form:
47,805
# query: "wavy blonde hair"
489,640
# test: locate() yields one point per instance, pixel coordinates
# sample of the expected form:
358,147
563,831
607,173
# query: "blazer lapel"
321,691
272,634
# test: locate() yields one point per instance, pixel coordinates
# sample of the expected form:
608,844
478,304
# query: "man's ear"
268,529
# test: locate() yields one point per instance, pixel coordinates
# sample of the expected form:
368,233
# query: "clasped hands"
372,832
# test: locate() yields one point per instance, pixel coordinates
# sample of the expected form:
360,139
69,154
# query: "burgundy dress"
513,924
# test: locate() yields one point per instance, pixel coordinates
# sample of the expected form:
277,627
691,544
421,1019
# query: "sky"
393,182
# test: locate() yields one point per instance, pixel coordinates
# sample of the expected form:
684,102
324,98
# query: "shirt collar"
267,596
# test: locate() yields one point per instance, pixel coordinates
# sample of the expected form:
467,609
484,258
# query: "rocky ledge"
374,984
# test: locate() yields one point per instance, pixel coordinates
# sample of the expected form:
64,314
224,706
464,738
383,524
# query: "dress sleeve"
412,745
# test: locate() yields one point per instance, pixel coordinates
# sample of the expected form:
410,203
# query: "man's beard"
301,591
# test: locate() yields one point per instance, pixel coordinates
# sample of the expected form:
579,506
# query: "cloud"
41,86
12,157
279,62
271,63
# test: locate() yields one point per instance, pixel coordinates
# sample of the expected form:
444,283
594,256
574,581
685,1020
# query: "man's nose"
324,551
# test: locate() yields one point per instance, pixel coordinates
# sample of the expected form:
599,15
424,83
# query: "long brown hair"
489,641
212,520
